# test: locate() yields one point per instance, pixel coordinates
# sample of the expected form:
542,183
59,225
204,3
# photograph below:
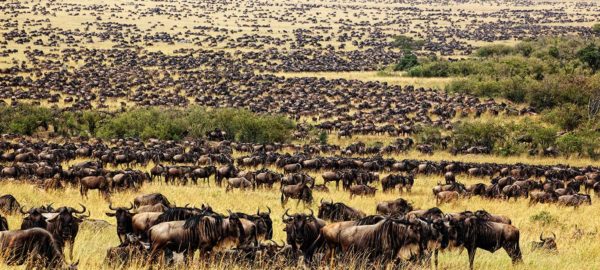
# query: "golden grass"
91,244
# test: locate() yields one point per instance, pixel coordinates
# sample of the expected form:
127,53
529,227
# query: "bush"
407,61
568,117
544,218
590,55
428,135
494,50
24,119
478,133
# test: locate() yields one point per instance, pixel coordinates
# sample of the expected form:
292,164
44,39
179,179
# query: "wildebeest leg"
471,256
514,252
435,255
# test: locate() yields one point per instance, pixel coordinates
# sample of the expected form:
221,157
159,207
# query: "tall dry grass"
575,252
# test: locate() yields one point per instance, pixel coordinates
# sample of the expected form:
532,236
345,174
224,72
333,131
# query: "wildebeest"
542,197
9,204
300,192
397,207
121,256
35,246
262,222
478,232
201,232
574,200
100,183
124,221
382,241
3,224
64,226
545,243
446,197
338,212
238,182
151,199
301,231
225,172
362,190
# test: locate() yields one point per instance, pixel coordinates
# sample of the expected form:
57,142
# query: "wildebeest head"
301,229
66,223
33,218
546,243
124,219
267,221
325,209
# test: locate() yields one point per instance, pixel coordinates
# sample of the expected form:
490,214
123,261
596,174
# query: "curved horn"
541,238
130,206
84,216
258,211
80,212
22,212
553,236
311,212
285,214
269,208
110,207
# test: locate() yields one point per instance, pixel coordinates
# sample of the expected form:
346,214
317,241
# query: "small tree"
591,56
408,60
596,29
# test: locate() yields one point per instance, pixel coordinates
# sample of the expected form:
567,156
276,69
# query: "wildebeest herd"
152,228
111,56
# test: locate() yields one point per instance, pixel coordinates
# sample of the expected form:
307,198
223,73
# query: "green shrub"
24,119
544,218
407,61
478,133
428,135
590,55
568,117
494,50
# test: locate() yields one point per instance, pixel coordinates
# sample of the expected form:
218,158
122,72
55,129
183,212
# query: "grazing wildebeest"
574,200
292,168
543,197
446,197
382,241
300,192
398,207
9,204
36,247
238,182
151,199
332,177
362,190
225,172
338,212
100,183
545,243
124,221
204,173
198,232
267,178
478,232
